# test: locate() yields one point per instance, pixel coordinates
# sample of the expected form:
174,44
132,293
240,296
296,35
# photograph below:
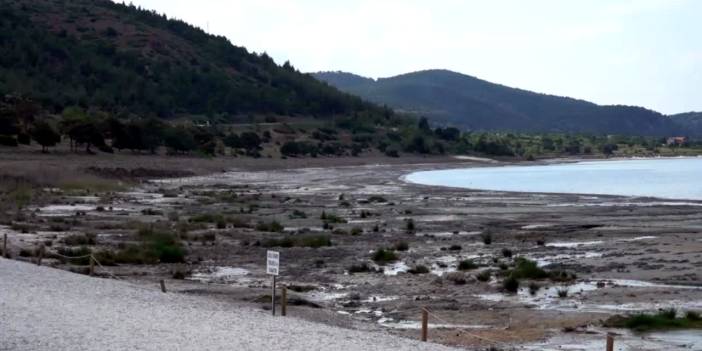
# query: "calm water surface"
672,178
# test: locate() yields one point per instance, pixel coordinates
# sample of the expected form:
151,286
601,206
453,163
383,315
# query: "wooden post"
273,297
284,301
4,246
92,265
40,254
163,285
425,323
610,342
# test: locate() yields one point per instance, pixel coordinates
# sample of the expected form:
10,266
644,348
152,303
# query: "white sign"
273,262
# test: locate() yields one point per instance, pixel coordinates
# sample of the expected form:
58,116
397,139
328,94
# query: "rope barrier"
463,330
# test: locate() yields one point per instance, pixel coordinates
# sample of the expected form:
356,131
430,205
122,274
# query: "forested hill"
691,121
96,53
455,99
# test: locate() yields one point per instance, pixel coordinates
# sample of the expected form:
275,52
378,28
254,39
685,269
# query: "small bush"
527,269
313,241
401,246
467,265
377,198
484,276
419,269
541,242
80,239
331,218
360,268
272,226
410,226
511,284
455,247
487,238
693,316
356,231
76,255
507,253
296,214
383,256
533,288
562,293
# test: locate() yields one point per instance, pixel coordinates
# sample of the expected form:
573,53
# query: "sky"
632,52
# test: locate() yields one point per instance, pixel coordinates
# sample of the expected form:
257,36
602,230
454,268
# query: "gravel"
48,309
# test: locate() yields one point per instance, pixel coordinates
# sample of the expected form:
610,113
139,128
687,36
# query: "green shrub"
467,265
377,198
360,268
507,253
383,256
313,241
331,218
401,246
409,225
484,276
487,238
511,284
273,226
527,269
80,239
419,269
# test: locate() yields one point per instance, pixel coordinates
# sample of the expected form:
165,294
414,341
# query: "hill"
96,53
690,121
460,100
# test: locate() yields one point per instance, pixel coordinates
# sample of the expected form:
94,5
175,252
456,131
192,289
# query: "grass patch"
401,246
419,269
313,241
467,265
272,226
155,247
383,256
80,239
664,319
331,218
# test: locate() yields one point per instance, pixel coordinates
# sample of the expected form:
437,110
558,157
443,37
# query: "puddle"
639,238
537,226
560,258
547,297
594,340
395,268
220,275
575,244
410,325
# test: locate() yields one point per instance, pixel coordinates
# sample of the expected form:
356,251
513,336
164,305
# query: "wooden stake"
4,246
425,324
610,342
40,254
284,302
92,265
273,297
163,285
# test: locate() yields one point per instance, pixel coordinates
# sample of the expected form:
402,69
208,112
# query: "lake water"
671,178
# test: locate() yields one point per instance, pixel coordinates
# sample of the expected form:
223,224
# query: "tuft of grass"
330,218
562,293
486,237
272,226
533,288
527,269
80,239
507,253
419,269
377,198
664,319
484,276
401,246
511,284
410,227
467,265
313,241
361,268
383,256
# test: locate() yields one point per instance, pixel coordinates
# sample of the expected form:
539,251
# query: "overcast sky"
634,52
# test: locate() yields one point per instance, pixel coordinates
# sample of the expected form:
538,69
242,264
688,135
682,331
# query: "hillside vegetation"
470,103
96,53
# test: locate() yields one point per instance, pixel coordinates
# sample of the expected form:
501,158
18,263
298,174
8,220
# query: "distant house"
678,140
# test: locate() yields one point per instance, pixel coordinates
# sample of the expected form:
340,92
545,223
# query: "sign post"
272,268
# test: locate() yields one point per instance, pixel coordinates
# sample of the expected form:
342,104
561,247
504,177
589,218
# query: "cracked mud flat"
629,254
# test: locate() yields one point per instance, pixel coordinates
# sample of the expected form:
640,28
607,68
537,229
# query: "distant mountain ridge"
690,121
451,98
